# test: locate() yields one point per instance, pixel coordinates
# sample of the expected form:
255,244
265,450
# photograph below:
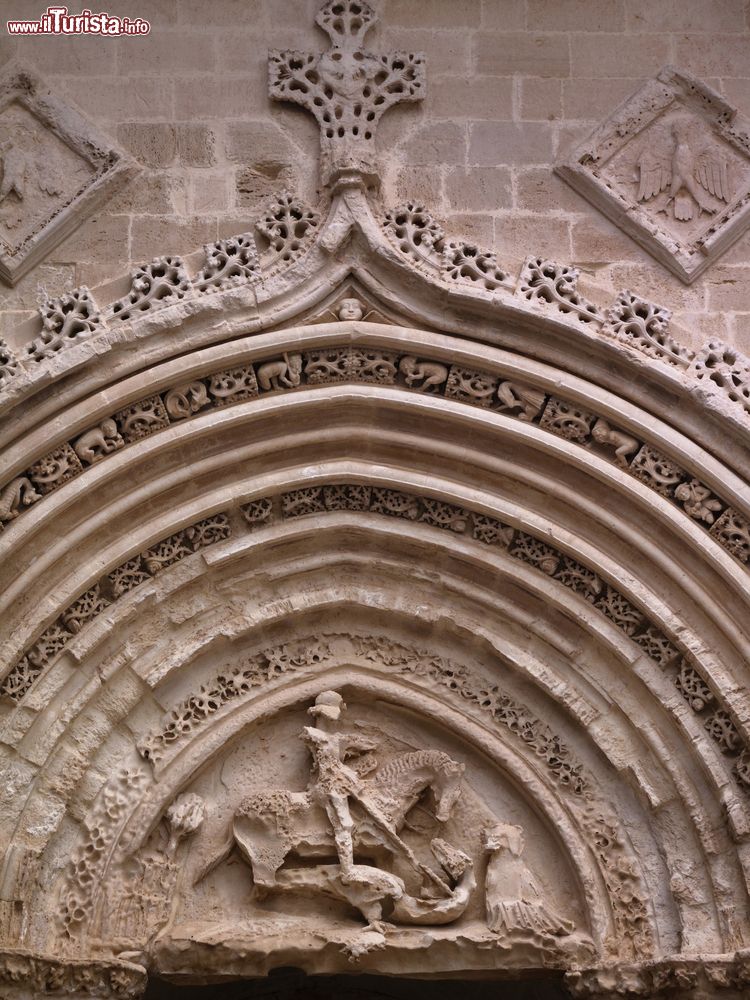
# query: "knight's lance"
402,846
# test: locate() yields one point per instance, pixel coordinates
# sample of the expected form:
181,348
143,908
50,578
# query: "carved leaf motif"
579,578
54,469
466,262
721,728
725,367
142,418
643,325
546,281
347,497
88,606
445,515
258,512
567,420
693,688
532,551
127,577
395,504
166,553
732,531
297,503
491,531
9,364
19,680
233,385
619,610
229,262
414,231
471,386
67,320
209,531
657,645
657,471
287,224
162,282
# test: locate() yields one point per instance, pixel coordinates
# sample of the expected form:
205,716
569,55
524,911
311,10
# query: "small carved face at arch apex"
351,309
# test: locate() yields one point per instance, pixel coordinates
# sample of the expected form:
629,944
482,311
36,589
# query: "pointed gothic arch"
352,455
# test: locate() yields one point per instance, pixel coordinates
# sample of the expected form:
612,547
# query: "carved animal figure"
515,396
692,175
429,373
17,494
698,501
281,374
625,446
98,442
269,825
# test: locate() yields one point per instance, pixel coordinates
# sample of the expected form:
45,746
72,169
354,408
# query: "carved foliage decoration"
66,320
109,588
163,281
286,225
671,167
643,325
373,365
545,281
727,368
228,262
347,89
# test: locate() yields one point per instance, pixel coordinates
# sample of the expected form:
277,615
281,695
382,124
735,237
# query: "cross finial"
346,88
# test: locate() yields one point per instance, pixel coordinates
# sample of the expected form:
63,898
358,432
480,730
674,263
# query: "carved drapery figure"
514,900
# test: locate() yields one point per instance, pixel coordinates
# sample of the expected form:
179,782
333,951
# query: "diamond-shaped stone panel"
671,167
56,168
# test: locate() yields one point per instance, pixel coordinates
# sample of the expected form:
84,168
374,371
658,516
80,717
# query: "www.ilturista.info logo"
57,21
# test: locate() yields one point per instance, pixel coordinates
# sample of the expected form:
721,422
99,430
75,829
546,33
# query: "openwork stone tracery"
366,607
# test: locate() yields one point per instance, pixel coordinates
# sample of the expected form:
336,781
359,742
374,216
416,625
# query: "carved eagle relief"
676,160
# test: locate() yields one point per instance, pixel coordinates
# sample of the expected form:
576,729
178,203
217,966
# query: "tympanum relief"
334,831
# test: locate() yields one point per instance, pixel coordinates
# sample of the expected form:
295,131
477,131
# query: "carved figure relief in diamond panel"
39,173
348,830
671,167
680,171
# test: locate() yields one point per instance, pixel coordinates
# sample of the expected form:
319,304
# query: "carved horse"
270,825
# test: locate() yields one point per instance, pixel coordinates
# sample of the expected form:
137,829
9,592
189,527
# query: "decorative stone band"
273,666
352,364
702,696
684,977
24,974
288,229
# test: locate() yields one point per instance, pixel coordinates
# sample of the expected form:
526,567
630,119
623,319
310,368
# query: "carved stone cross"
346,88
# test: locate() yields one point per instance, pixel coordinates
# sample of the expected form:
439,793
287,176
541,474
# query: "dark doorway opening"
294,985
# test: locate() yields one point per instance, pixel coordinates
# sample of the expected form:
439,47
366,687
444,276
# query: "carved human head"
503,837
329,705
351,309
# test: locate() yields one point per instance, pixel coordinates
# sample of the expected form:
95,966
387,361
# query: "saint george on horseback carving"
347,811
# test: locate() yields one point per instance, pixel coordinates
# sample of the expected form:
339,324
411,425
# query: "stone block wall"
510,83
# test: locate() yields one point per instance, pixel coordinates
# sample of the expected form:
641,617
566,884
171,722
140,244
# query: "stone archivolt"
344,459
